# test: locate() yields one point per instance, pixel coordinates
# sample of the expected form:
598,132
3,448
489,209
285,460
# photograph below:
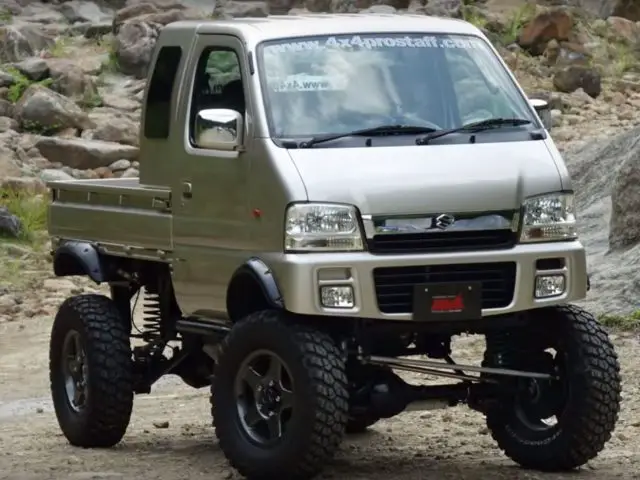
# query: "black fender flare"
78,258
263,276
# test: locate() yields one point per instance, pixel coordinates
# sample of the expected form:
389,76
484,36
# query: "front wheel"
279,398
561,424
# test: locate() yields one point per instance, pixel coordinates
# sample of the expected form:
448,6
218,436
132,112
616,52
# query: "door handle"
187,190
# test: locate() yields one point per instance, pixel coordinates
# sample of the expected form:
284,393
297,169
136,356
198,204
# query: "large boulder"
10,225
571,78
605,8
18,42
624,228
84,154
43,109
134,46
547,26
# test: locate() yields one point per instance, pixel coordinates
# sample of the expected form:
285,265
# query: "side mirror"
219,129
543,110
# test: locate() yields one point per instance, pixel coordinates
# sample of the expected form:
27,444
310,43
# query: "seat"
233,96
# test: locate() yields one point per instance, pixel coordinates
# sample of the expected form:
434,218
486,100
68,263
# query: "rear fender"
79,258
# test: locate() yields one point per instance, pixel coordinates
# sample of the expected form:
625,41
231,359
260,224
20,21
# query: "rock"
35,69
624,29
9,164
120,130
164,424
8,304
606,8
237,9
569,79
132,11
624,226
6,108
546,26
53,175
7,123
280,7
82,11
18,42
10,225
131,173
84,154
71,81
45,108
120,165
444,8
30,185
6,79
97,30
134,46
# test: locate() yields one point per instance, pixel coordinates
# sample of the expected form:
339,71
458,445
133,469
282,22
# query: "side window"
158,107
217,84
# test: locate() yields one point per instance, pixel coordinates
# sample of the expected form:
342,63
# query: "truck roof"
255,30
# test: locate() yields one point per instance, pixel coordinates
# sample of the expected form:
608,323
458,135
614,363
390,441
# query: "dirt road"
445,444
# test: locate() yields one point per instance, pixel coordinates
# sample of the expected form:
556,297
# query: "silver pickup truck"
325,201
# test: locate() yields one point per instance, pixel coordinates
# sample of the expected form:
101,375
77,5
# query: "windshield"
337,84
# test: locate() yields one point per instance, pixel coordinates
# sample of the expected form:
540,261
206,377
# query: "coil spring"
152,316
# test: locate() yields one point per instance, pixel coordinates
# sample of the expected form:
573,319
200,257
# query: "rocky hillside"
72,78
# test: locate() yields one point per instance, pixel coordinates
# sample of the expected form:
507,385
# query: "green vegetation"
60,48
30,209
517,22
621,322
22,83
6,16
473,16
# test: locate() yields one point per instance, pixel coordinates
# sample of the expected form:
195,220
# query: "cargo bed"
121,215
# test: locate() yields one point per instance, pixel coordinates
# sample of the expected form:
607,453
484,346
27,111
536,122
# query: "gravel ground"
444,444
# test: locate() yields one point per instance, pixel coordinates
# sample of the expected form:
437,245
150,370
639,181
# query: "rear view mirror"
219,129
543,109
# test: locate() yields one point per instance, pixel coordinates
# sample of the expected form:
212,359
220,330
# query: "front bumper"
300,277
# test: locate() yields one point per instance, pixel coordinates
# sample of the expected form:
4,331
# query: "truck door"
209,189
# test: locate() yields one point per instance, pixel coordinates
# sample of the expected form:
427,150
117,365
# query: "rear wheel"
560,424
91,371
280,402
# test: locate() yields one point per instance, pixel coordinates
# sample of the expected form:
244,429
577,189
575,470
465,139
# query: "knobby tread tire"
593,407
322,377
105,418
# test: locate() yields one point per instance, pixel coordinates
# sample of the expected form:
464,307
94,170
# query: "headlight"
327,227
549,217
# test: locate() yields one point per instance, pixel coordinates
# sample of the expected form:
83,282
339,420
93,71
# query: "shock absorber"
152,315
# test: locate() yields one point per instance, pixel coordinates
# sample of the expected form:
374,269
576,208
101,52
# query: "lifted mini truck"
324,200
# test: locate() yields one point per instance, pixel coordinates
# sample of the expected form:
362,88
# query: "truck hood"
430,178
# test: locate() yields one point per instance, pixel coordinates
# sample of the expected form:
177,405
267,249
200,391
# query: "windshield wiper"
380,130
473,127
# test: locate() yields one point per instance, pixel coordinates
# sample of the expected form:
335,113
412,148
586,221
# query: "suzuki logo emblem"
444,221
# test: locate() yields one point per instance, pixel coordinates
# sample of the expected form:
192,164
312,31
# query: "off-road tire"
321,399
593,405
360,424
105,418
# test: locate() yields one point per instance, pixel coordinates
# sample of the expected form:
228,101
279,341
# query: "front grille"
394,285
439,242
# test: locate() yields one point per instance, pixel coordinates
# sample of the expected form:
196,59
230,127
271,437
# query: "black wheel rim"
264,397
540,404
74,371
